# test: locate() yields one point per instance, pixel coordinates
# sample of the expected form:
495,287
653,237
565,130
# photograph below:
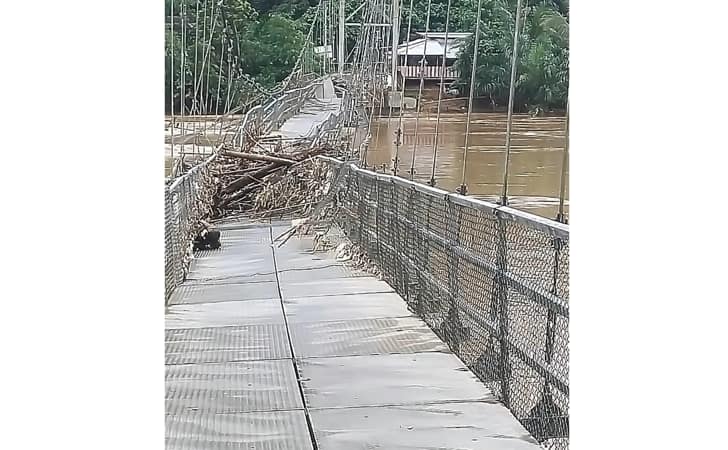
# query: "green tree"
274,45
238,48
543,61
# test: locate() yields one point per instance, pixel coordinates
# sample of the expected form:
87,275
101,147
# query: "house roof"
440,35
435,46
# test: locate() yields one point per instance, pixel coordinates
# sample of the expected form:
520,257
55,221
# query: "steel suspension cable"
398,142
219,71
238,69
332,33
366,68
183,69
422,84
357,53
198,92
229,75
330,38
358,50
383,58
463,187
375,77
511,93
396,18
439,94
197,39
361,51
206,62
206,87
324,37
297,66
320,32
375,58
372,95
564,167
193,110
171,77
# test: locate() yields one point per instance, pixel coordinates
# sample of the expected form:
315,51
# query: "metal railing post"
502,297
412,287
453,337
551,318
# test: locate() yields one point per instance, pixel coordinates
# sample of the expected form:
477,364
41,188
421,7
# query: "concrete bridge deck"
274,348
314,112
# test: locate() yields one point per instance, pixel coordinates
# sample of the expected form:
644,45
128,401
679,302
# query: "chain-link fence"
493,283
187,200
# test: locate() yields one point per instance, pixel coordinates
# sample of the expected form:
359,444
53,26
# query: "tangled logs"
266,181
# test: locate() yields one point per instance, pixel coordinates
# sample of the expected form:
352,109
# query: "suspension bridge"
274,341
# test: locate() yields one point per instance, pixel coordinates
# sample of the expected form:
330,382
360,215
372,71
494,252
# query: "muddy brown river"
537,146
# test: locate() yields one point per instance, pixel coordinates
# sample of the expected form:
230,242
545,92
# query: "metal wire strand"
182,97
171,77
398,142
561,217
382,52
463,187
439,94
511,93
422,83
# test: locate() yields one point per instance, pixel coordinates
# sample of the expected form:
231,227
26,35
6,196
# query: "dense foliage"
542,76
261,40
229,43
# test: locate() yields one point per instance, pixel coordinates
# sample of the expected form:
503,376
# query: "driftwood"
248,178
237,172
260,157
272,180
242,192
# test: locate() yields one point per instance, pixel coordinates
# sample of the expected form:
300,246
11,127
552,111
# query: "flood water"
537,146
193,136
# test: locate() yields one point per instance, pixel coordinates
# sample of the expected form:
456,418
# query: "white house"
435,48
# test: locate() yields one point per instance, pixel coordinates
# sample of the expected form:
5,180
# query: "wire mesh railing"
267,117
187,201
491,281
188,198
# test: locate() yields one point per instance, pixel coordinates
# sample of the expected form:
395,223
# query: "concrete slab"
343,307
289,259
347,286
226,344
232,387
256,233
364,337
190,293
446,426
233,249
223,314
336,271
380,380
255,263
270,430
312,115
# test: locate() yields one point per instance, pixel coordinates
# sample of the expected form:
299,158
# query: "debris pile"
299,189
357,257
268,181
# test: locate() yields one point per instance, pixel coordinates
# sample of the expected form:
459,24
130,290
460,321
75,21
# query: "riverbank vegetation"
235,49
243,47
542,77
